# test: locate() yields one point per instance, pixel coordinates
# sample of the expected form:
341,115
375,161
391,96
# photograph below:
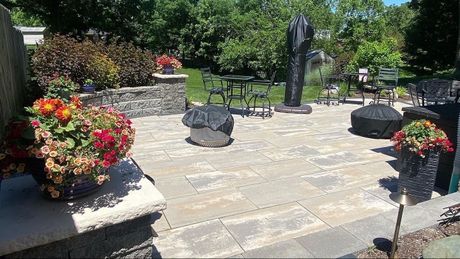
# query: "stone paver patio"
280,180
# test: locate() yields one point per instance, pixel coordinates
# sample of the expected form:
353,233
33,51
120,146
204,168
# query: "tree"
210,25
165,25
123,18
358,21
20,18
431,40
376,54
397,21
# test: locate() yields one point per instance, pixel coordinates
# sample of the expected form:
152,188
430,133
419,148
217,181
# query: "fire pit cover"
214,117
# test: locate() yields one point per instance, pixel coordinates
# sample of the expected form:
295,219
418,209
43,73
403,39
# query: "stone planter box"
114,222
167,96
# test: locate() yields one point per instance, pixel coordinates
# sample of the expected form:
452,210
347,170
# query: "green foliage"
431,41
103,71
358,21
19,18
397,20
135,65
62,55
112,66
373,55
61,87
401,91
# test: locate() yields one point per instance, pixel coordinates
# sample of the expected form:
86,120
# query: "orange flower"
75,101
64,114
427,124
54,194
46,106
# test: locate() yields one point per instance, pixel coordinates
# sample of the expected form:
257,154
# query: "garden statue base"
167,96
114,222
302,109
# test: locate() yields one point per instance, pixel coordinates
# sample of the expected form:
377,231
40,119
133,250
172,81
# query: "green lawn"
195,91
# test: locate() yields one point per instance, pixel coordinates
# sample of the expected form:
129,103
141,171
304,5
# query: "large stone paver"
280,191
346,206
226,178
206,206
267,226
331,243
284,249
285,169
175,187
209,239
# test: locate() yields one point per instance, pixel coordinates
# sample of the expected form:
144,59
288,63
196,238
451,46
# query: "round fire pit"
210,126
376,121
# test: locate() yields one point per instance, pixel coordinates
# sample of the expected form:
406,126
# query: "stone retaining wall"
128,239
167,96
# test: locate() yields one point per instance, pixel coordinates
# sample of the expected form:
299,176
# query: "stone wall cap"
29,220
174,76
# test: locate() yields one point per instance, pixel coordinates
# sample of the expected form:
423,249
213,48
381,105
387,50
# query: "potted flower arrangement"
88,86
75,145
167,64
420,144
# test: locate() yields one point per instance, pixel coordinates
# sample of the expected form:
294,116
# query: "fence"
13,69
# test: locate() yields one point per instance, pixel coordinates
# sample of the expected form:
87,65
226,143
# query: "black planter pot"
418,174
77,185
168,70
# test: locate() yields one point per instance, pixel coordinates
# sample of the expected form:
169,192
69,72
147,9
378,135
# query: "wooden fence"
13,69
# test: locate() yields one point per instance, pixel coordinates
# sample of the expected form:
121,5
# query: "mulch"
411,245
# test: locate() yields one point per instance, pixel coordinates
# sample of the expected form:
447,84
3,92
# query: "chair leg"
223,98
263,108
209,99
269,107
254,107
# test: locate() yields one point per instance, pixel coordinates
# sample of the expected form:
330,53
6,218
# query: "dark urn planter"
74,186
89,88
168,70
418,174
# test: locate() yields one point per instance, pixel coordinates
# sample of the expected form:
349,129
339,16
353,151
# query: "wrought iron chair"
415,94
208,83
260,89
330,86
386,81
454,91
435,91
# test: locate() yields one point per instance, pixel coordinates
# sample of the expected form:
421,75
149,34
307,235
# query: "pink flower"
105,163
45,149
35,123
46,134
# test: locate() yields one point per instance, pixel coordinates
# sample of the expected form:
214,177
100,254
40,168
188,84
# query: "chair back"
206,75
436,90
414,94
361,77
388,76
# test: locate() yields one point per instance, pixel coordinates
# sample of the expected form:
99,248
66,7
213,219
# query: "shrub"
401,91
376,54
104,72
62,55
136,66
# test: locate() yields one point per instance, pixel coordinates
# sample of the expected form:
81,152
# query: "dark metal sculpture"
299,36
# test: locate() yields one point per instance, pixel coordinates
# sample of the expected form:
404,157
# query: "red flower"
64,114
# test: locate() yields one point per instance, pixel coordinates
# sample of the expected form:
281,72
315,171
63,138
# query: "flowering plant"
420,137
167,61
75,140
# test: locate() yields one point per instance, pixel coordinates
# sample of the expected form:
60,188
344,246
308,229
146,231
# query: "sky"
395,2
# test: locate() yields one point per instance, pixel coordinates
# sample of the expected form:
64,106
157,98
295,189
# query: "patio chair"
330,86
260,89
454,91
415,94
208,83
435,91
386,81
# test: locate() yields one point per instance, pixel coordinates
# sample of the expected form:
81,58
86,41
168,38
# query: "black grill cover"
214,117
376,121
